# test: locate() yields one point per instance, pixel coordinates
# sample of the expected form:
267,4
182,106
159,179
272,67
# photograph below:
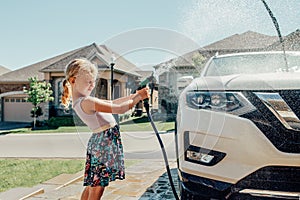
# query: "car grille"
284,134
276,178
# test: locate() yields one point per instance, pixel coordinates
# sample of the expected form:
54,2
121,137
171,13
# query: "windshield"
253,64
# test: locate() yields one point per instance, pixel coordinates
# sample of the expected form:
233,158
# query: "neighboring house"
13,106
291,42
153,86
171,72
3,70
248,41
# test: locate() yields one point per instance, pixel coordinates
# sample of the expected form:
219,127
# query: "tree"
38,92
199,61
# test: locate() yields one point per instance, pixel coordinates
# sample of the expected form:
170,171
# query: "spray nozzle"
143,84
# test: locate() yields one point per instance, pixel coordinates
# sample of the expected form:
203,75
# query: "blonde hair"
72,69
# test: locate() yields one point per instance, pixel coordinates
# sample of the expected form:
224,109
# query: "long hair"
72,69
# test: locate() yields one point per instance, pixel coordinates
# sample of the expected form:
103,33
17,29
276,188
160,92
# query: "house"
3,70
291,42
192,63
13,105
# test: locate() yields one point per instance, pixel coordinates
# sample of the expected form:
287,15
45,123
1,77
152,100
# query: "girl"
105,159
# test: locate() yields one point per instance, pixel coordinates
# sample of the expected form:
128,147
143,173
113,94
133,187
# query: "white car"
238,128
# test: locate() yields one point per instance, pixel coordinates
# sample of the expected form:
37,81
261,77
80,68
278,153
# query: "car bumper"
246,149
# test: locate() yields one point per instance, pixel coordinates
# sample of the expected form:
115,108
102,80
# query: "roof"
145,74
291,42
4,70
58,63
121,64
246,40
185,60
103,54
22,74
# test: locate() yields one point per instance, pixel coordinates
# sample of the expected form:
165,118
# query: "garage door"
16,109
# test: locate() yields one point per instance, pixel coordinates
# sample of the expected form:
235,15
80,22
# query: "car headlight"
230,102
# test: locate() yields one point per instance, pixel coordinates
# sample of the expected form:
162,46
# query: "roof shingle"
3,70
22,74
246,40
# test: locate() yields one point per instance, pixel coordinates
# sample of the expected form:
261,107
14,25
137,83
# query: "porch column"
109,89
123,89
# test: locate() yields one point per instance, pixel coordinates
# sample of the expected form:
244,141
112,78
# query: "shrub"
61,121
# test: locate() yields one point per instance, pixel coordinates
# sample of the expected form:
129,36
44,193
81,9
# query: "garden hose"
146,105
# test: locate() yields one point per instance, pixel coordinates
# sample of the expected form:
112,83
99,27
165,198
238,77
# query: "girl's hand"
144,93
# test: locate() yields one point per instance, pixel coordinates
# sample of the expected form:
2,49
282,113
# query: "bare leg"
95,193
85,194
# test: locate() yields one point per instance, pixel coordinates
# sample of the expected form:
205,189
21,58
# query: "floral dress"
104,159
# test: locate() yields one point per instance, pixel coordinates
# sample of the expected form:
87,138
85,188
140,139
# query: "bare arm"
144,93
119,106
121,99
91,105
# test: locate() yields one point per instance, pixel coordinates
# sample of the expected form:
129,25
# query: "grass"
62,129
143,124
133,124
29,172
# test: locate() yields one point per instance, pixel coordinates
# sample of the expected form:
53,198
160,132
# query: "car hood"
269,81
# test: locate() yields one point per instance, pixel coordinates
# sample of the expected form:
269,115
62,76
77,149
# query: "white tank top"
97,122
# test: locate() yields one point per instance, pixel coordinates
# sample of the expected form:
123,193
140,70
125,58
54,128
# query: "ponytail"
65,99
72,69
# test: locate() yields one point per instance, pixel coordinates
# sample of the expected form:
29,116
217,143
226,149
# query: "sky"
144,32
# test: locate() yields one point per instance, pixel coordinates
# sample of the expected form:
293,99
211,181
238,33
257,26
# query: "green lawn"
29,172
143,124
